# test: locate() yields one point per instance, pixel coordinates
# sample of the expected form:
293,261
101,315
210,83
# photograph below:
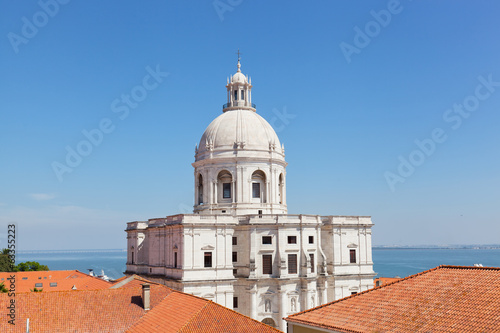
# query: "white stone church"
240,248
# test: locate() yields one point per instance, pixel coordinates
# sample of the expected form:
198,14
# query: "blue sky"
349,86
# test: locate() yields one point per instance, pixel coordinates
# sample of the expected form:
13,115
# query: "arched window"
258,186
224,186
236,95
200,189
269,322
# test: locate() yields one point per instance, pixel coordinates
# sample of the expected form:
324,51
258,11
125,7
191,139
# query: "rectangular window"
292,239
236,95
242,94
226,190
354,292
267,264
132,257
235,256
53,284
208,259
311,257
235,302
352,255
235,240
292,264
255,190
235,271
311,239
260,213
38,285
175,259
267,240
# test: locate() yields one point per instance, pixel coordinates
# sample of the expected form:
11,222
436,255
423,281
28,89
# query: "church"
240,247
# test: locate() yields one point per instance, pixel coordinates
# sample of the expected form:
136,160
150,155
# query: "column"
283,308
253,303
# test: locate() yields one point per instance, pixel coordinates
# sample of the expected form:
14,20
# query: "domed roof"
239,77
242,130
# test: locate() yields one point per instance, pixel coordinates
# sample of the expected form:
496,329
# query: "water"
111,261
388,262
403,262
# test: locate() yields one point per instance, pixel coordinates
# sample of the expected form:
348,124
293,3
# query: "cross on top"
238,54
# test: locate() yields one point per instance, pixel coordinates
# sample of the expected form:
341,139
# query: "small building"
131,305
442,299
240,247
53,281
380,281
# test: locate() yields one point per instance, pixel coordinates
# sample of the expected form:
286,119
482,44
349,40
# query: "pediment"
208,248
352,246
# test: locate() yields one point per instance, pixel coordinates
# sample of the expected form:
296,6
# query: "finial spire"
239,65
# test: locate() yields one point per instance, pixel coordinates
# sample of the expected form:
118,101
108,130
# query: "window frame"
292,239
255,186
292,263
267,262
205,262
270,238
311,258
352,256
226,191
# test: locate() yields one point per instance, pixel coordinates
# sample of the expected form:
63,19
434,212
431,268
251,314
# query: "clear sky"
386,108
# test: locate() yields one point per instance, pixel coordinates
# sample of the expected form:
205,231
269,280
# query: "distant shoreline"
375,247
437,247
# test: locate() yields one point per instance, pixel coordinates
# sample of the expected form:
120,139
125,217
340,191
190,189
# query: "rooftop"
120,309
54,281
442,299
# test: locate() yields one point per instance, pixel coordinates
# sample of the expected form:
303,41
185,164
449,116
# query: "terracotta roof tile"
119,309
65,280
443,299
184,313
108,310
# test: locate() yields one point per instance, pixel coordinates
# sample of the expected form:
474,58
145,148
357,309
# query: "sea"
387,261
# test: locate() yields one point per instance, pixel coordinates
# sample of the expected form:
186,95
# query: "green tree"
30,266
3,289
5,264
35,290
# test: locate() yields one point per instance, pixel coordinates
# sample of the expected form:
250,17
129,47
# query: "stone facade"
240,248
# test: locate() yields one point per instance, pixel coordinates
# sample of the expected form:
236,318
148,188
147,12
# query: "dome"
239,77
241,130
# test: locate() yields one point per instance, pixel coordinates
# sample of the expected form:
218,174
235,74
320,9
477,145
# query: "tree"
3,289
5,264
31,266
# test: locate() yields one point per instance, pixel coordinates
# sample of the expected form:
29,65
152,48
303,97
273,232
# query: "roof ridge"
492,268
366,291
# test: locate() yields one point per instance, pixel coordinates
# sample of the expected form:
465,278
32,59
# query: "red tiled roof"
384,281
65,280
443,299
120,309
185,313
107,310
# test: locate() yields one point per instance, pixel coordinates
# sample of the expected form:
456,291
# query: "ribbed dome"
242,130
239,77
